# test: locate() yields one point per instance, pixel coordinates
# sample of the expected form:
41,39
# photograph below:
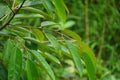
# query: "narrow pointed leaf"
75,56
51,57
32,73
53,41
47,4
7,49
15,64
44,63
60,7
39,35
89,66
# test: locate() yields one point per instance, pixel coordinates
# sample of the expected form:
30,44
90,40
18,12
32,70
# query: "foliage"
103,28
35,40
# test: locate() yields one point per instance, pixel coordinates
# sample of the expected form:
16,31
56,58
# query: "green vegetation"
59,40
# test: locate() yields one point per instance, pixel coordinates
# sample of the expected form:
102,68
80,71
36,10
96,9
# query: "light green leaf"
15,64
49,23
32,72
26,16
73,35
44,63
75,55
53,41
60,9
39,35
34,10
51,57
85,48
89,66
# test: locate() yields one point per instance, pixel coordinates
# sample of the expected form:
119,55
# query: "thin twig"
5,25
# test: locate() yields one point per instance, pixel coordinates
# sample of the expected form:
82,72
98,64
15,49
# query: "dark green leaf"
32,72
15,64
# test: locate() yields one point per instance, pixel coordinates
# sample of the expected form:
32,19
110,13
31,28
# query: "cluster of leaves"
104,30
34,34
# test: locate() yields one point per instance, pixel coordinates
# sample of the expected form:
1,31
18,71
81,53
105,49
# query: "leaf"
47,4
34,10
51,57
60,10
32,3
89,65
21,29
31,69
7,48
43,62
3,9
15,64
75,55
53,41
85,48
49,23
73,35
39,35
26,16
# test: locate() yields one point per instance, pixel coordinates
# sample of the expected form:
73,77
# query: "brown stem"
5,25
86,22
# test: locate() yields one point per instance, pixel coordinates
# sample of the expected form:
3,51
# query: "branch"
5,25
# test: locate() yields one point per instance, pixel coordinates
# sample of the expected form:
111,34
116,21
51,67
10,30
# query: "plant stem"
5,25
86,22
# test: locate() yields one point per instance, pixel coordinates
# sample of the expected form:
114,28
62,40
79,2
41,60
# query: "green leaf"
53,41
85,48
34,10
73,35
75,55
60,9
39,35
49,23
47,4
32,3
21,29
15,64
26,16
3,9
32,72
51,57
89,65
7,48
44,63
